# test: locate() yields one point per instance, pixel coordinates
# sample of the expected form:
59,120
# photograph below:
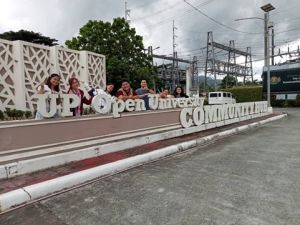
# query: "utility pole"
195,77
177,70
174,57
266,38
127,12
267,8
268,63
273,47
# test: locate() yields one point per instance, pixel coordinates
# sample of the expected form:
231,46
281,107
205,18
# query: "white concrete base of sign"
39,151
26,166
270,109
37,191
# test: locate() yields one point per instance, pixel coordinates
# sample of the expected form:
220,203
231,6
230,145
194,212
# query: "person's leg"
146,100
38,116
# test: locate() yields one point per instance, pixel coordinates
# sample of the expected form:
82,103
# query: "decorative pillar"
84,73
19,78
188,81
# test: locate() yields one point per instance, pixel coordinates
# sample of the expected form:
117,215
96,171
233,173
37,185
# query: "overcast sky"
61,19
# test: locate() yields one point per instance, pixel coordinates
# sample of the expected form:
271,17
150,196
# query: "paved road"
251,178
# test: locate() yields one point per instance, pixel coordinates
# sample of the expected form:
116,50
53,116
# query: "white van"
219,98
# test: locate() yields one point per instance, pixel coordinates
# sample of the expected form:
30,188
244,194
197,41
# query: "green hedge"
246,93
285,103
14,114
2,116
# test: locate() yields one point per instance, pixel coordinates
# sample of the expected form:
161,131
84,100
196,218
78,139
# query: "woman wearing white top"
50,86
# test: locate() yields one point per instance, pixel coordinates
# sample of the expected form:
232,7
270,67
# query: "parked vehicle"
218,98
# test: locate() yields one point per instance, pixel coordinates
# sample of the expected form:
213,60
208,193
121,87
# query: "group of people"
125,92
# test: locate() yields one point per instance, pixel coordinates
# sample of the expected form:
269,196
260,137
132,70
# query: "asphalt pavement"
247,179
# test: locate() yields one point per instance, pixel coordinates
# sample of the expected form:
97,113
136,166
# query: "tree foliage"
228,81
123,48
207,88
29,36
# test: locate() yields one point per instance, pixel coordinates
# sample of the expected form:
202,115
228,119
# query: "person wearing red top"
74,89
126,92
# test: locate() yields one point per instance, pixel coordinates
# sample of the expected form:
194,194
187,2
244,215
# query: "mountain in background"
210,81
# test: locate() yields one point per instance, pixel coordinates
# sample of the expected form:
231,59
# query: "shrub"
88,111
297,101
91,111
28,114
2,117
19,114
8,112
246,93
85,111
285,103
13,114
278,103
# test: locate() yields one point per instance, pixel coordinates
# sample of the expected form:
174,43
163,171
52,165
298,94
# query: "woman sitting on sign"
179,93
74,89
109,89
49,86
165,94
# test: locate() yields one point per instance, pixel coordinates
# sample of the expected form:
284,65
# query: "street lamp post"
267,9
267,24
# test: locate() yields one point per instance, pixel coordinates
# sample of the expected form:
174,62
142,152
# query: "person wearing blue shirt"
144,90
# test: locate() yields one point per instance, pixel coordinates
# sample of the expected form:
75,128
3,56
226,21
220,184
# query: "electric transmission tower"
127,12
176,78
216,67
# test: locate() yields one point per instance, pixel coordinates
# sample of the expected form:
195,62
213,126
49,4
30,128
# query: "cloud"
62,19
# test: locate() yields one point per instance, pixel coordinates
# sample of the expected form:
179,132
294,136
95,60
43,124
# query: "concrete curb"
34,192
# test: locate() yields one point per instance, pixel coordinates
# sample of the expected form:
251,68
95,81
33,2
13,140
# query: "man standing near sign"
144,90
126,92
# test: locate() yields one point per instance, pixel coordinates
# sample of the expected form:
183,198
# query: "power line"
143,5
286,31
169,8
288,9
216,21
242,32
196,52
286,20
158,12
170,19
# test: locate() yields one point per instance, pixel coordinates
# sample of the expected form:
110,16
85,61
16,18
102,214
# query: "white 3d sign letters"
118,107
185,117
69,101
217,113
102,103
193,113
47,110
198,116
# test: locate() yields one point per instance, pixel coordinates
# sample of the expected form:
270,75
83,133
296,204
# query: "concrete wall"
23,66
